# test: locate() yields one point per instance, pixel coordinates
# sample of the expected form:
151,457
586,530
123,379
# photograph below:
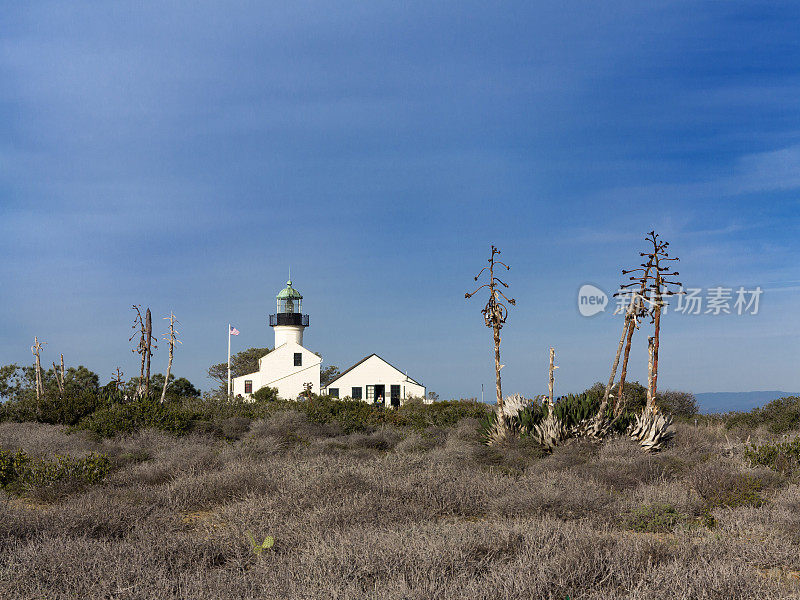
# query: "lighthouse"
289,322
288,367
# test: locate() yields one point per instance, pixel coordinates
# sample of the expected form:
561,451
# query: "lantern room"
288,321
289,300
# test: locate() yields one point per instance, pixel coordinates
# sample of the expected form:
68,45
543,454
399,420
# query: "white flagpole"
229,360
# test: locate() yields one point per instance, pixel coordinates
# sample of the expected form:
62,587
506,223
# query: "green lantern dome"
289,292
289,311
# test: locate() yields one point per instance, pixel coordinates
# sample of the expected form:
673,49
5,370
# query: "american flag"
234,331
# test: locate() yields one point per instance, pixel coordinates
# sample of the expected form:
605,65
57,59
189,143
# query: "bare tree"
172,338
117,378
552,377
494,314
148,325
59,376
36,349
144,325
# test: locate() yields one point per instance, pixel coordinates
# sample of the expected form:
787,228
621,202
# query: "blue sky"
184,156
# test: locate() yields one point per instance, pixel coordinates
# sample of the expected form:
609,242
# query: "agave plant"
652,429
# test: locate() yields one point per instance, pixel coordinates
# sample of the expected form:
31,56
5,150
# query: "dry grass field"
399,514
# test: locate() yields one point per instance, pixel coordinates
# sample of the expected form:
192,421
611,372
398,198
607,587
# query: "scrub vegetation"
413,507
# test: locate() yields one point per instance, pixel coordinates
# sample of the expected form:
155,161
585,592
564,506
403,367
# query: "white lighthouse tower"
289,367
289,322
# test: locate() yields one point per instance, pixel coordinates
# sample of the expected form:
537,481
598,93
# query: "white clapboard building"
290,367
374,380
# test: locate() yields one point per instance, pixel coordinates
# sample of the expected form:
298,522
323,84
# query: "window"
248,386
394,392
356,393
333,392
371,392
298,359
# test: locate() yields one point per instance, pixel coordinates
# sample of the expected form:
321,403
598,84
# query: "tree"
176,388
242,363
328,374
9,380
183,388
79,379
676,403
60,402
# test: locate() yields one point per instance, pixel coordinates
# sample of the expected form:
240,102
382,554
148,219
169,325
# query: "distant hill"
716,402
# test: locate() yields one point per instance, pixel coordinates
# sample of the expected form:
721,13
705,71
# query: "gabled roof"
346,371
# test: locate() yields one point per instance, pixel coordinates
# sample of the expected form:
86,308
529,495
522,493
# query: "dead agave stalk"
551,380
652,429
36,349
636,311
172,338
143,348
494,314
117,379
59,376
657,291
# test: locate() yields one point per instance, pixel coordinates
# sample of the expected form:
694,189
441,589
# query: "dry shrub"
721,485
39,439
695,443
390,514
576,451
359,445
230,428
422,441
285,431
568,496
630,472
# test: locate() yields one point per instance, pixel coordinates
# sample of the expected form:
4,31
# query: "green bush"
129,416
419,415
779,416
678,404
356,415
19,471
351,415
783,457
266,394
654,518
634,395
